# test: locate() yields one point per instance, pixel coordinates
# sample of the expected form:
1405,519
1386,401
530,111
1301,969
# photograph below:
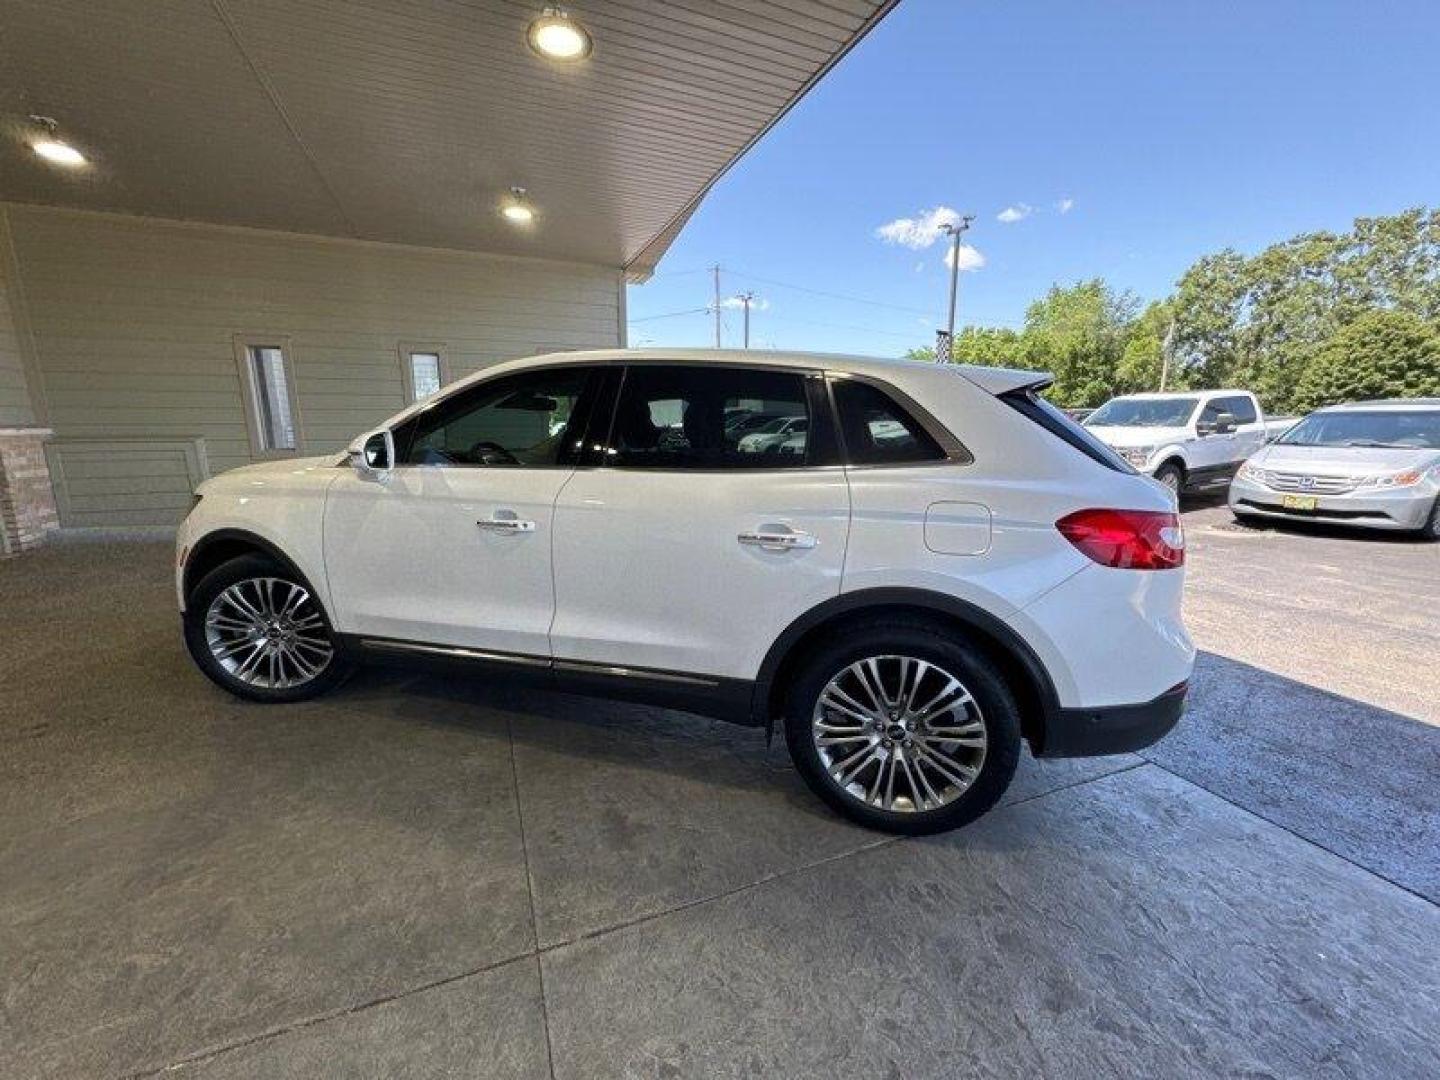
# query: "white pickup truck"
1187,441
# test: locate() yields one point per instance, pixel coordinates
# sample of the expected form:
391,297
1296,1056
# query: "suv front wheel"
904,728
257,630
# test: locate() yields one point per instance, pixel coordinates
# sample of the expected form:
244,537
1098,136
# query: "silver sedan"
1373,464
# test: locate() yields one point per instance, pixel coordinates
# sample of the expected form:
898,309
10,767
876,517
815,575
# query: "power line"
833,295
839,326
672,314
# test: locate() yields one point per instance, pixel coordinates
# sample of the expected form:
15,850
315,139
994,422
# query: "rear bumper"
1113,729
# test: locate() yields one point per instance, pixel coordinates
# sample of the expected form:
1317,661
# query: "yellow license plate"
1298,502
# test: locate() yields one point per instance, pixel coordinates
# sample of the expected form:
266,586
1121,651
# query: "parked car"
911,596
1189,441
773,434
1371,464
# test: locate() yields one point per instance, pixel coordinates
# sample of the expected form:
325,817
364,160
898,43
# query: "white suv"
948,566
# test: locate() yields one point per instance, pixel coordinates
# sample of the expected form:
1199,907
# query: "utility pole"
1165,355
955,230
745,299
717,305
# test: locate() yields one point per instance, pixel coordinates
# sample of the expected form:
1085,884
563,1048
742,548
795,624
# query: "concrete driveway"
427,877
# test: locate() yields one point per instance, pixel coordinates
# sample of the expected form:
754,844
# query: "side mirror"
374,454
1225,423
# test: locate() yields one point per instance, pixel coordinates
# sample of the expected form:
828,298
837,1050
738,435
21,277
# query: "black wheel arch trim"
251,540
951,607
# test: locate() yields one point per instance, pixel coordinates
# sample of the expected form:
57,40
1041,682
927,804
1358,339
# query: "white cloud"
758,303
920,231
1065,205
970,258
1012,214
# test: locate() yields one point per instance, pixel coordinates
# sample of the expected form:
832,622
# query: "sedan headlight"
1254,474
1389,480
1136,455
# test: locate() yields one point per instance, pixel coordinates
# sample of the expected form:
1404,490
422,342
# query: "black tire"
257,568
935,646
1172,476
1431,529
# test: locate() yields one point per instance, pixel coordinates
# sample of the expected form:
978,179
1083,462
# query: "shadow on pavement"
1355,779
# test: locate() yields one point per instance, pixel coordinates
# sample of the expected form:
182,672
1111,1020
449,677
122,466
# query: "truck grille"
1310,485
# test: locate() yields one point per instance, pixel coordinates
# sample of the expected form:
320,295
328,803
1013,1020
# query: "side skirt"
706,695
1211,476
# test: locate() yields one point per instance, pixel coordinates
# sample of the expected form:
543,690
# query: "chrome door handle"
778,541
507,525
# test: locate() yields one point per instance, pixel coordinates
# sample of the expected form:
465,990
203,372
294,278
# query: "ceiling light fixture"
556,36
51,147
517,208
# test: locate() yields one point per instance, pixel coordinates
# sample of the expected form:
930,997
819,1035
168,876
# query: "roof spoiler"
998,380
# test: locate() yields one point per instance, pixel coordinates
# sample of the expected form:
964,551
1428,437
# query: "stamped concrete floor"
430,877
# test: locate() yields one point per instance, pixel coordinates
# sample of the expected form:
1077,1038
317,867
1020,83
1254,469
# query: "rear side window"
877,430
1031,405
689,416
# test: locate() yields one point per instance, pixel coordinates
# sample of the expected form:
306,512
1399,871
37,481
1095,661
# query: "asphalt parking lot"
427,877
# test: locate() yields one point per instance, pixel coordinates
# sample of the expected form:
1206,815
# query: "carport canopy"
409,121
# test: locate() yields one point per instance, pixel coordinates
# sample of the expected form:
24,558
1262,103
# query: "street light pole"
955,230
745,299
716,269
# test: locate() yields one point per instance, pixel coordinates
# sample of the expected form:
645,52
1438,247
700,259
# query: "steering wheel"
492,453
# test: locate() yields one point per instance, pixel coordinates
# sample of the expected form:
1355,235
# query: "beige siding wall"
15,408
135,322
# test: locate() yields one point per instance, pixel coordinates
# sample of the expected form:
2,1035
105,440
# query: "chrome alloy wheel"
268,632
899,734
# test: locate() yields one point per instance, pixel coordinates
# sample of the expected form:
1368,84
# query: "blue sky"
1176,128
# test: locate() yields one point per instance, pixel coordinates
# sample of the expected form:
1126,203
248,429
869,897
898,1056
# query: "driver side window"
515,421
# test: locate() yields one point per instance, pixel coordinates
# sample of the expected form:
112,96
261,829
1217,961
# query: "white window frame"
251,393
407,372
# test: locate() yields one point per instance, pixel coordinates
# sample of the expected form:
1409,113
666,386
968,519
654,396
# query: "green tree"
1381,354
1143,359
1079,334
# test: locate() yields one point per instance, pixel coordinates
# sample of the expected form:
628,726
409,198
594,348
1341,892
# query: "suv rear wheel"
258,631
903,728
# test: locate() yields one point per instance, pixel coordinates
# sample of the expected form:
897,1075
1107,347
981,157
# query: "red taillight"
1127,539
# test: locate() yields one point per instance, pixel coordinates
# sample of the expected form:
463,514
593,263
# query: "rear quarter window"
1036,409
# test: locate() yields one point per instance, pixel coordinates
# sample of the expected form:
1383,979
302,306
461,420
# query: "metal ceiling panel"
409,120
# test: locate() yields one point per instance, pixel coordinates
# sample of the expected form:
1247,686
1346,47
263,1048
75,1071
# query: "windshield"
1143,412
1419,429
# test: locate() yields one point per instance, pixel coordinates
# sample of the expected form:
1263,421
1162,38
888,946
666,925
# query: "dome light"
51,147
517,208
556,36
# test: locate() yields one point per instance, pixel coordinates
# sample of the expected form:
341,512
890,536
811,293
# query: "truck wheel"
1172,476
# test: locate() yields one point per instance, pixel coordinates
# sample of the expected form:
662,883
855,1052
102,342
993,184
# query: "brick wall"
27,503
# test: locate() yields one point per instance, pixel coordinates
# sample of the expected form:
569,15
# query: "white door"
1212,452
687,552
452,546
1250,432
